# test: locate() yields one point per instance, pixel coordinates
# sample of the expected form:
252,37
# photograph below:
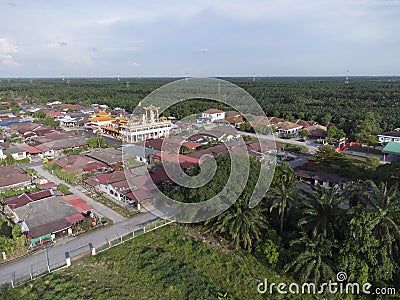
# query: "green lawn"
168,263
117,208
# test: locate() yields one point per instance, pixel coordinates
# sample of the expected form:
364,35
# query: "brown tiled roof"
232,113
110,156
288,126
302,123
324,177
317,130
79,163
212,111
13,179
53,226
62,144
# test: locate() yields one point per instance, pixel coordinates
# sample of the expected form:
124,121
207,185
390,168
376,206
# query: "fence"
15,282
135,233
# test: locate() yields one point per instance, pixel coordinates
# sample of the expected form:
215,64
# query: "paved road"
312,147
55,256
98,207
31,165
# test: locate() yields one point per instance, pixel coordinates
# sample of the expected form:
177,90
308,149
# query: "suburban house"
192,145
184,160
303,123
318,178
213,114
389,136
224,134
45,219
125,186
72,107
55,114
68,121
110,156
234,118
56,148
14,178
32,151
25,198
81,163
288,128
15,152
316,132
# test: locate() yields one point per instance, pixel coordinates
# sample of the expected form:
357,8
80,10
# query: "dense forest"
321,99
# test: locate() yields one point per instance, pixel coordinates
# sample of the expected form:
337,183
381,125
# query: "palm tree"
284,190
320,211
314,262
384,209
240,223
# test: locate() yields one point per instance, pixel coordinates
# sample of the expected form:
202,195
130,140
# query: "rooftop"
109,156
212,111
393,133
79,163
45,211
392,148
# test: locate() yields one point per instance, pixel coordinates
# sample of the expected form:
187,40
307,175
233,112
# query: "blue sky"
199,38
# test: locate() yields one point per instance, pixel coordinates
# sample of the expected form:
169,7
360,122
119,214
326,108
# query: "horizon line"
217,76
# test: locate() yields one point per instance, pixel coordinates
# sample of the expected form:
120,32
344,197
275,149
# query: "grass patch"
167,263
297,149
127,213
355,159
366,150
132,162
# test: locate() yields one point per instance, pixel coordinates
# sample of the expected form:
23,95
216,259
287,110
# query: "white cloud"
135,64
7,46
202,50
7,60
6,49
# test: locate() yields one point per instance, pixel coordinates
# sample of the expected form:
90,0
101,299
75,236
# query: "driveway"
100,209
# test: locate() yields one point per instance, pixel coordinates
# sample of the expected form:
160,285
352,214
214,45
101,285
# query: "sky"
199,38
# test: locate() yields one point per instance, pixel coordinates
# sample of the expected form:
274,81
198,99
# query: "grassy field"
170,263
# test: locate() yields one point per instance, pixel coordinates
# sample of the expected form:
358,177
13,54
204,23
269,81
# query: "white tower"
346,81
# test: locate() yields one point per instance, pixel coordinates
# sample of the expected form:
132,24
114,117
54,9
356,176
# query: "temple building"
148,126
98,120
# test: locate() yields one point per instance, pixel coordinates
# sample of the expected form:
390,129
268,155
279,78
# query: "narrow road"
55,256
311,146
101,209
